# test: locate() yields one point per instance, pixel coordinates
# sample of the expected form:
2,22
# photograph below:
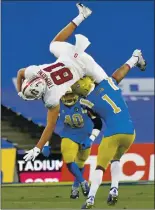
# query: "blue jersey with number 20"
107,101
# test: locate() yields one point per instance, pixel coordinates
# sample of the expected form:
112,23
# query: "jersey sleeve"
59,48
31,71
51,103
50,100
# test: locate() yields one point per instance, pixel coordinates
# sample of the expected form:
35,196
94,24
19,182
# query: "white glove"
32,154
85,11
22,96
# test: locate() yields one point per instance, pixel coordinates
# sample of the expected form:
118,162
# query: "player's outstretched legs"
106,152
81,157
74,169
125,140
75,186
95,183
69,151
115,177
136,60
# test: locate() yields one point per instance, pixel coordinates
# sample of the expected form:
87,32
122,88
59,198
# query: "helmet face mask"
83,86
70,98
33,89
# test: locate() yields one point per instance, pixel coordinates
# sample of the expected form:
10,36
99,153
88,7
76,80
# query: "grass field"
130,197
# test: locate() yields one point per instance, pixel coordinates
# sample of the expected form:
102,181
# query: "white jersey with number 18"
68,69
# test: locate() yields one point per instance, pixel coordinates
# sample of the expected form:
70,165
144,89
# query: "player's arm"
47,148
97,124
67,31
52,116
20,78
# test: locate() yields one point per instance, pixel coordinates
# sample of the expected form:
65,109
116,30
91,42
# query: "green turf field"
130,197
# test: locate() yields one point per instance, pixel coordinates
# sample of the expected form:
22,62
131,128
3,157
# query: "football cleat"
141,63
113,196
74,193
85,11
89,203
85,188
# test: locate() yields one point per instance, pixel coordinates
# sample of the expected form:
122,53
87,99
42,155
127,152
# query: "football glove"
32,154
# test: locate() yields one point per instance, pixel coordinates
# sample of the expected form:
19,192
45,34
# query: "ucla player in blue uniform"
107,101
80,128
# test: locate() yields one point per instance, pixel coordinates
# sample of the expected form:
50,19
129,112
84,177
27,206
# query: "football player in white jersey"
51,81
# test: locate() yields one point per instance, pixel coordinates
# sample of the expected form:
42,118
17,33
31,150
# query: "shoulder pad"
86,103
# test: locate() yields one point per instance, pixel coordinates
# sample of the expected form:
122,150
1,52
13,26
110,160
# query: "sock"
95,182
115,173
78,20
74,169
132,61
76,183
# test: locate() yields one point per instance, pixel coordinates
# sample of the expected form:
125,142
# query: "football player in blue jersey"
107,101
80,128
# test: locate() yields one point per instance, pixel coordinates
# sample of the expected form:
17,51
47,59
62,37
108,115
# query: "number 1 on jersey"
115,108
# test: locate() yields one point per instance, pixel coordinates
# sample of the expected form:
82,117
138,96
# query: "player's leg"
106,152
80,160
67,31
136,60
92,67
69,151
115,169
125,141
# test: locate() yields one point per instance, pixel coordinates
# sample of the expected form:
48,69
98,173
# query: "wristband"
95,133
92,137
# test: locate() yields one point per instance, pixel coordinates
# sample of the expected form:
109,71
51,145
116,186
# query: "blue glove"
87,143
46,151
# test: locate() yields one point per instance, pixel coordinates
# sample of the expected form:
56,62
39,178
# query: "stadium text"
39,165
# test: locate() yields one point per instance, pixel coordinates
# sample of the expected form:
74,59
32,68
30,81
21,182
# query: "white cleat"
141,63
85,11
112,197
89,203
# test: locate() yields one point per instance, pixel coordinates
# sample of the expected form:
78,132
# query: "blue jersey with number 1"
107,101
76,123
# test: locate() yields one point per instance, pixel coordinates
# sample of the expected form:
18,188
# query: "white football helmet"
34,88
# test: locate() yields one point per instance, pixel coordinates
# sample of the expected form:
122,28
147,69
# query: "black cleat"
74,194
